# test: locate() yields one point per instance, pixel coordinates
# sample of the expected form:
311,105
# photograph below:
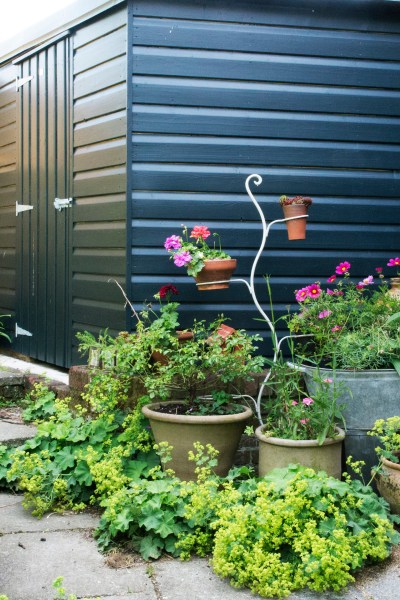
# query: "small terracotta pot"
183,336
216,270
296,229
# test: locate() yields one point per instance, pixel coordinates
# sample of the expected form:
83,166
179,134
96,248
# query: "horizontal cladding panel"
237,207
100,104
264,39
8,114
88,236
7,301
210,93
8,257
88,288
8,94
256,123
301,265
7,240
380,16
109,181
8,217
106,127
215,150
8,134
100,208
8,74
101,50
8,154
98,261
7,277
100,77
149,234
8,176
90,313
289,181
99,155
99,28
266,68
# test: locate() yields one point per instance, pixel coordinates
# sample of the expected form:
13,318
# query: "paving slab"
15,519
14,434
29,563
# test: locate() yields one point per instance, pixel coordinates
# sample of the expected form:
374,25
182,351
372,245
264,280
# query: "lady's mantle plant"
388,433
353,324
192,254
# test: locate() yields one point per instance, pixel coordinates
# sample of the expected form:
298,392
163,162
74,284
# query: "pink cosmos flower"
304,421
394,262
368,280
336,328
343,268
308,401
302,294
173,242
200,231
324,314
331,279
378,269
294,403
314,291
327,380
181,259
330,292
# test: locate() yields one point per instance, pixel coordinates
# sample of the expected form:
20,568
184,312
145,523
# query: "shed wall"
99,213
304,93
8,197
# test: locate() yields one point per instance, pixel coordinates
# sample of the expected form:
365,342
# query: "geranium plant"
192,254
352,324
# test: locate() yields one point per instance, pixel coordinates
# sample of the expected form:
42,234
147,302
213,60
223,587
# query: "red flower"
167,290
200,231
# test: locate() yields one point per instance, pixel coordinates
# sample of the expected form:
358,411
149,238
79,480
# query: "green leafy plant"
352,326
2,331
299,200
388,433
192,255
61,593
40,404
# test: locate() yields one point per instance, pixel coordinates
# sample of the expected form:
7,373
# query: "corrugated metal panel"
304,93
8,197
99,228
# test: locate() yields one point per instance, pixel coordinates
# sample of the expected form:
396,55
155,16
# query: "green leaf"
82,473
150,547
65,458
396,364
135,468
393,318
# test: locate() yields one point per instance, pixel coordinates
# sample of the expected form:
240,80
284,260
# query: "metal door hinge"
20,331
20,81
60,203
19,208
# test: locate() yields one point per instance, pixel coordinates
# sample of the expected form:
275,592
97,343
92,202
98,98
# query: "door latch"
60,203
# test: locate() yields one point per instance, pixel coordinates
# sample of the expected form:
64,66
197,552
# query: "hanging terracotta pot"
296,229
219,269
394,290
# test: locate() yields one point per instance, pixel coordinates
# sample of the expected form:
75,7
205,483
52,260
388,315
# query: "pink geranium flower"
314,291
302,294
308,401
331,279
343,268
394,262
173,242
325,313
181,259
200,231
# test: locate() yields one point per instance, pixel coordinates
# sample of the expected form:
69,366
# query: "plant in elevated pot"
295,207
395,281
194,393
355,339
299,428
387,472
207,264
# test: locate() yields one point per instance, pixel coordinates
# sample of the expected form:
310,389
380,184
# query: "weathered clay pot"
223,432
388,484
395,287
216,270
296,229
278,452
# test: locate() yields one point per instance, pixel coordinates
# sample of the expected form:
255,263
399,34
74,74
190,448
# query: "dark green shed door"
42,319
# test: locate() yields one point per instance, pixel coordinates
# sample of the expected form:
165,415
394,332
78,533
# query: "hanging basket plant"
208,264
295,207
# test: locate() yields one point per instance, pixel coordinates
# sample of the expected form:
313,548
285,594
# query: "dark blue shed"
159,111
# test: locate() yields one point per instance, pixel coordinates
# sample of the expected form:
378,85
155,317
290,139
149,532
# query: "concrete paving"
22,366
15,434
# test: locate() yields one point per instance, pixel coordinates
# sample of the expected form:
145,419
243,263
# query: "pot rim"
304,368
275,441
213,260
150,413
390,464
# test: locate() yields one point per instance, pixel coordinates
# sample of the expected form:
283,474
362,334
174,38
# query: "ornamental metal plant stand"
257,179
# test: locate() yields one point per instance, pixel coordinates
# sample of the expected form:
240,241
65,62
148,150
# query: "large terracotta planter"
388,484
296,229
368,396
216,270
394,290
278,452
223,432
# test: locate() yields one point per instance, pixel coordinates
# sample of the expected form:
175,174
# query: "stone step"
15,434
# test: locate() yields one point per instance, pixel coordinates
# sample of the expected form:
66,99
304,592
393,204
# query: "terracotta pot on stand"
216,270
296,229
